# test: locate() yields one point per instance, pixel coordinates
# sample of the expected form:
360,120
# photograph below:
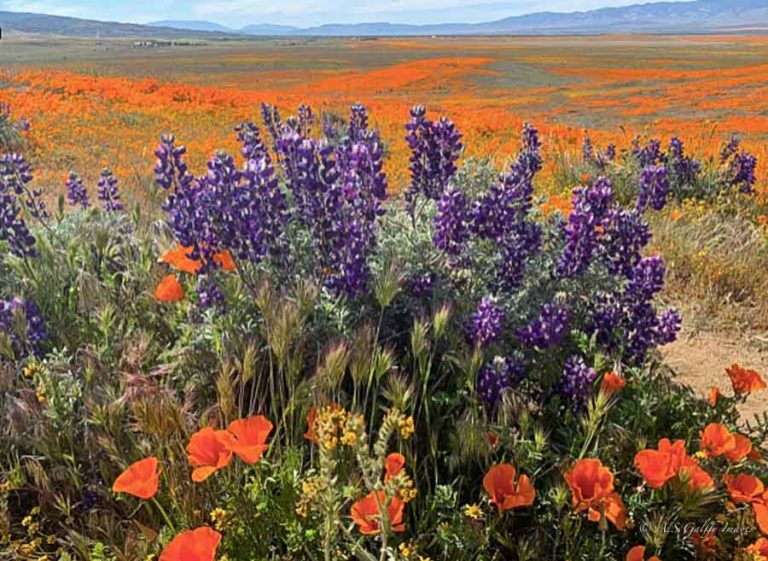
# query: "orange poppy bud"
193,545
367,514
714,396
612,382
393,464
140,479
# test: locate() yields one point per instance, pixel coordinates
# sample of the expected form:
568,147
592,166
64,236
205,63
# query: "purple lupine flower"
435,148
648,155
13,227
496,378
654,188
252,146
591,207
270,116
610,152
587,149
422,285
606,314
668,326
306,119
171,170
486,324
451,231
209,294
77,195
683,169
743,168
730,149
640,321
358,122
576,383
21,322
549,329
107,191
16,175
502,214
626,234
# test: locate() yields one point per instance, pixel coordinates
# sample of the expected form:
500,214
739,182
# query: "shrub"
312,371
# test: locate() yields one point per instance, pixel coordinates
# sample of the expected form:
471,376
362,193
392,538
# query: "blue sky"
237,13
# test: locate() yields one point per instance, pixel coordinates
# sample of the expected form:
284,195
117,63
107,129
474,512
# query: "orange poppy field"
97,104
394,299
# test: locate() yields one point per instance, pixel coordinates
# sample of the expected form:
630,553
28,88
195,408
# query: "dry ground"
700,359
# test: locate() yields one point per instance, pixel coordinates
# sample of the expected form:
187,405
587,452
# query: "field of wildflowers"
323,343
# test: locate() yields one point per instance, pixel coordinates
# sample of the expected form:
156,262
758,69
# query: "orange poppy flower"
250,440
367,516
179,259
676,450
193,545
612,382
139,479
614,509
590,483
745,381
499,483
637,553
744,488
209,450
697,477
716,440
393,464
760,510
741,450
714,396
759,548
656,467
169,290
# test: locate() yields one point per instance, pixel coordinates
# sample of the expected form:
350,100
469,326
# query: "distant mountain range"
699,16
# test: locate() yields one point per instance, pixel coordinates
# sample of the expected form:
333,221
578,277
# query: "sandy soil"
700,360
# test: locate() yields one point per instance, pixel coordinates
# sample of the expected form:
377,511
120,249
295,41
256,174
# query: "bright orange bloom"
209,450
760,511
717,440
759,548
251,435
637,553
744,488
714,396
499,483
741,450
697,477
311,418
179,259
139,479
656,467
614,509
393,464
169,290
590,483
193,545
745,381
367,515
612,382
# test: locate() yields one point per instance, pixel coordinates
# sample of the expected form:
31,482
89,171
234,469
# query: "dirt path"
701,359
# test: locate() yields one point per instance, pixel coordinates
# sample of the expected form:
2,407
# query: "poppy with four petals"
250,437
367,514
169,290
208,451
504,493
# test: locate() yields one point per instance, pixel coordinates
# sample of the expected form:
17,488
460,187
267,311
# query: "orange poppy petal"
250,437
193,545
202,473
179,259
169,290
140,479
741,450
637,553
761,516
393,465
